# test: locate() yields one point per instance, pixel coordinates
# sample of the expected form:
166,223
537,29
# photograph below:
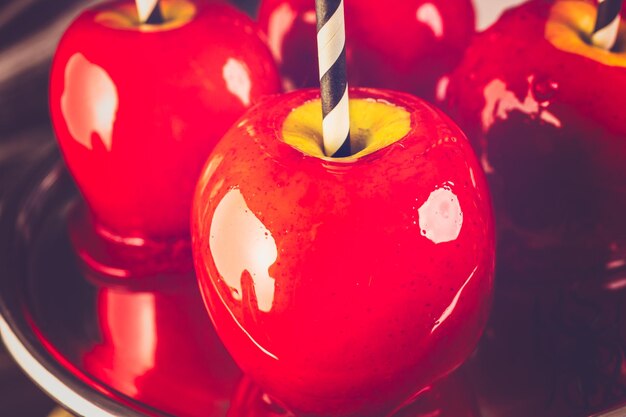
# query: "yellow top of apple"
176,13
570,26
374,124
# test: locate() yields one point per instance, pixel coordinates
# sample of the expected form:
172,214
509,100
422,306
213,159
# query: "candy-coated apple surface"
137,108
157,344
406,45
345,286
543,109
541,106
452,396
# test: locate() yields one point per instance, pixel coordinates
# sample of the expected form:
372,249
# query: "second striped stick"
149,11
607,24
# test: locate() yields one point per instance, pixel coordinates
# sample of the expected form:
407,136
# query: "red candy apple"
137,108
345,286
406,45
543,108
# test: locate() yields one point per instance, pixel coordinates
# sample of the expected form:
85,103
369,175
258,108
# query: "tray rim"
61,393
19,338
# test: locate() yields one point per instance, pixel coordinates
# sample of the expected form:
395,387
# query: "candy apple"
542,107
398,44
137,108
452,396
345,286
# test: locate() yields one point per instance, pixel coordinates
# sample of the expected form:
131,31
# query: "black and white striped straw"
607,24
331,50
149,11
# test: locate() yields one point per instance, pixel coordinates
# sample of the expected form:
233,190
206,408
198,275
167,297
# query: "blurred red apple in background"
542,107
544,112
406,45
345,286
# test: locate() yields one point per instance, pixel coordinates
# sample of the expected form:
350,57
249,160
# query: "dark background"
29,32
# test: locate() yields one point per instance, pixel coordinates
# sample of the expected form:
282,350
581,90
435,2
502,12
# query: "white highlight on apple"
240,242
309,17
500,101
442,88
280,23
488,11
237,80
89,102
450,309
440,217
429,15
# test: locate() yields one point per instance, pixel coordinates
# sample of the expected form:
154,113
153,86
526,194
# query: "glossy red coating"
159,348
549,131
344,288
149,345
548,127
137,112
405,45
450,397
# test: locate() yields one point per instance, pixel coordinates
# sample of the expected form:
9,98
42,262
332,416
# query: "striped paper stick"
331,48
607,24
149,11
